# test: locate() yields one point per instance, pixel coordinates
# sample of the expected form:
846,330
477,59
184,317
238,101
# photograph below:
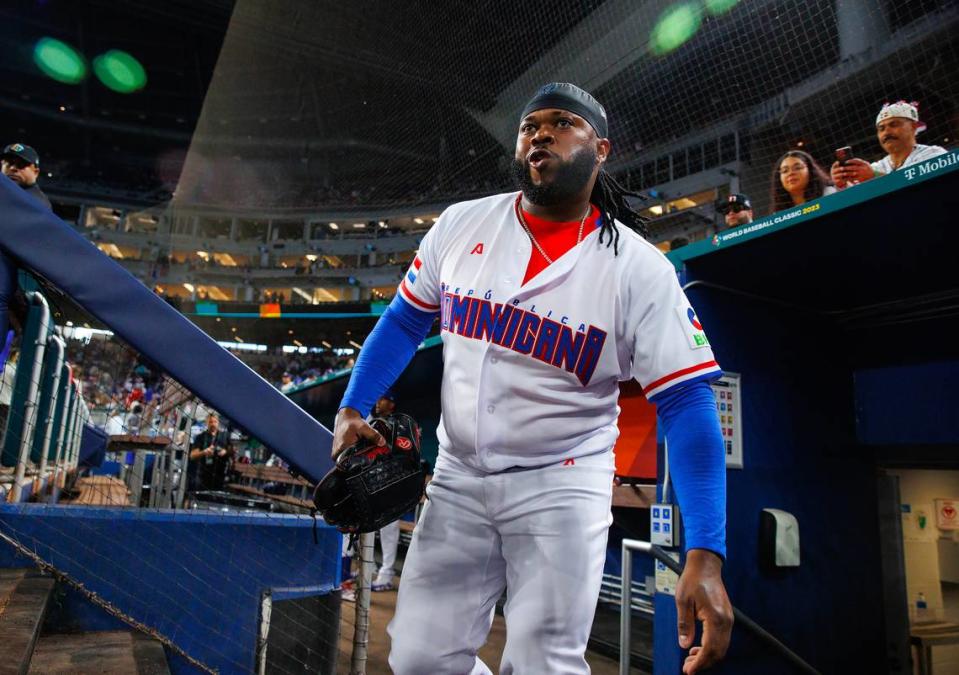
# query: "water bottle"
922,608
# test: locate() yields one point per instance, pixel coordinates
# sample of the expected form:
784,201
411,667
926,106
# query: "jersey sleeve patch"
692,327
408,288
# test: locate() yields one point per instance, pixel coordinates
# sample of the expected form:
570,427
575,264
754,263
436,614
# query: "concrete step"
99,652
24,598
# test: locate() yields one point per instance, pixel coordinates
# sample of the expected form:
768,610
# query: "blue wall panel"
908,404
197,577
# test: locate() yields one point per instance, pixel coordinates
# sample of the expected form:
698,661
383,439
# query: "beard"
569,179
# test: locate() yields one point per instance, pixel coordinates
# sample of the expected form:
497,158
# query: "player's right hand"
350,427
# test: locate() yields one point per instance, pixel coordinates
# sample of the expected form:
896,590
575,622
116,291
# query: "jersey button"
508,281
490,409
493,359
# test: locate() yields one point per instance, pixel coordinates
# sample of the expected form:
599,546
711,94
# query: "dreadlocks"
610,198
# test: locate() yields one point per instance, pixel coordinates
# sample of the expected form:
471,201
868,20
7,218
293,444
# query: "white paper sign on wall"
947,514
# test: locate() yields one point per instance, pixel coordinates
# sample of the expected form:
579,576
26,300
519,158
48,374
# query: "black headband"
569,97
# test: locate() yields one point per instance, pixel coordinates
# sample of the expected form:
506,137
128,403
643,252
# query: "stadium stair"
26,647
113,651
24,598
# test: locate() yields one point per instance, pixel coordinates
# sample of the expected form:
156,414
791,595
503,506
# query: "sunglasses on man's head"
736,208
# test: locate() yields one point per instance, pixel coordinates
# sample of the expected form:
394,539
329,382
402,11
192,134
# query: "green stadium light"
120,71
716,7
675,26
59,61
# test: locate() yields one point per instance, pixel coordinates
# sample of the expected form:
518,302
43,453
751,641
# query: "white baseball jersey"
920,153
531,371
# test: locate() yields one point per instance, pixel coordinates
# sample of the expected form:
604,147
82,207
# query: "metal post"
361,631
625,611
63,406
139,460
77,426
30,406
181,444
266,611
155,479
71,425
60,348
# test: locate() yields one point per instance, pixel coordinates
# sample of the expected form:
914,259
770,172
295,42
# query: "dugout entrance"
842,329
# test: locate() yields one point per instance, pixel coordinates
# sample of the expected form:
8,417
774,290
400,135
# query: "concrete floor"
381,611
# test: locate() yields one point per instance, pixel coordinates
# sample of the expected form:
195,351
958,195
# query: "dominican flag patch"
409,291
692,327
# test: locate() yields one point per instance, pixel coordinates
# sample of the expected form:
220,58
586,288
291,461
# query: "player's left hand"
701,596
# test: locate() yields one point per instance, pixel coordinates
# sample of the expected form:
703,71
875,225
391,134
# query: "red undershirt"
555,238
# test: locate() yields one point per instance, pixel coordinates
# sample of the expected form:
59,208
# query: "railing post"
38,325
625,610
626,617
64,406
71,423
48,407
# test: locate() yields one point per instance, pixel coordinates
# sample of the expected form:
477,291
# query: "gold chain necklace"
522,221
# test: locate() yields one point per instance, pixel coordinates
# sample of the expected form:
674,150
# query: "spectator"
132,424
21,164
210,455
678,242
896,127
114,423
737,210
797,179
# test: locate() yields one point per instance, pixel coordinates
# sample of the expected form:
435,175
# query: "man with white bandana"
896,127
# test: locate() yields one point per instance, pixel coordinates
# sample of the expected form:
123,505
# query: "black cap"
732,200
566,96
24,152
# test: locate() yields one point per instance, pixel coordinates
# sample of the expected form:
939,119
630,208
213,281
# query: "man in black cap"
21,164
548,297
737,210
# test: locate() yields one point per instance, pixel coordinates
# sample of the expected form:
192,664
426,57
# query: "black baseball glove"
373,485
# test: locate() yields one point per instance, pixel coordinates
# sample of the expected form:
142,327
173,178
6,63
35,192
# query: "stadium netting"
117,487
350,112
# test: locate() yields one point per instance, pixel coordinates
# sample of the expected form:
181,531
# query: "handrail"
33,389
61,350
630,545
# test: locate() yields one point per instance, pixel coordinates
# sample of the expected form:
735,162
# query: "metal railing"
44,426
625,622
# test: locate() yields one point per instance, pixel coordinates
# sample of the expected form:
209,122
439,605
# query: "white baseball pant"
539,533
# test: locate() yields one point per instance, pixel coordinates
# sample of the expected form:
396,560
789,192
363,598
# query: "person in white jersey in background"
547,298
896,127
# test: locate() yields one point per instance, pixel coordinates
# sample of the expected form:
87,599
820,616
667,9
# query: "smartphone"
843,154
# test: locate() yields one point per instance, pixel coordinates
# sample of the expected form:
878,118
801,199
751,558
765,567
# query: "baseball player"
389,534
547,299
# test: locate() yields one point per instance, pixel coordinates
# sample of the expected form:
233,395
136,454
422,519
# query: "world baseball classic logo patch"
692,327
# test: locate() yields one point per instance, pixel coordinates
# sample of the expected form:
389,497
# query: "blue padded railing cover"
38,240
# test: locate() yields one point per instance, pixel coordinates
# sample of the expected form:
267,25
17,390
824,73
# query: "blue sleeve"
385,354
697,463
